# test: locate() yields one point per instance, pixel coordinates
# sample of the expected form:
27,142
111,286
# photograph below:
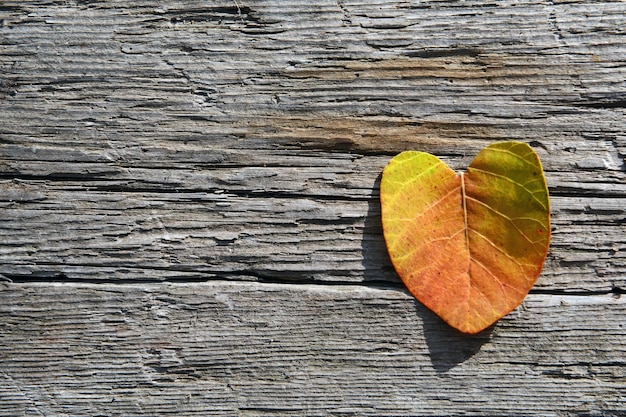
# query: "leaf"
468,246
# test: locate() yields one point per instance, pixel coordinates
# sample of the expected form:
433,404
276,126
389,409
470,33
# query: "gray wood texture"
189,213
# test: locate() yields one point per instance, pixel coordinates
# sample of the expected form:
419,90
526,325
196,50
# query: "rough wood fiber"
242,141
284,349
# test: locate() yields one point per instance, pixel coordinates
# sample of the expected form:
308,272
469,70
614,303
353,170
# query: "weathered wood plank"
245,141
242,141
276,349
51,230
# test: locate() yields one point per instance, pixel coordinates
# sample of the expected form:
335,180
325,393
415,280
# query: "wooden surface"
189,214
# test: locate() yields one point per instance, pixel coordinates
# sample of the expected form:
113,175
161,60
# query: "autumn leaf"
468,246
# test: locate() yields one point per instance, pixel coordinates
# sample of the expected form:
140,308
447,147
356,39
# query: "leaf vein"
521,265
495,277
532,193
532,242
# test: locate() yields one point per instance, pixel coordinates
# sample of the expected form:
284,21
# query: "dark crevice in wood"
617,291
444,53
607,101
562,191
55,177
61,278
262,278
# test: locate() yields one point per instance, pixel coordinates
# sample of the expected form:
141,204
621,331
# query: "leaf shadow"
377,267
447,346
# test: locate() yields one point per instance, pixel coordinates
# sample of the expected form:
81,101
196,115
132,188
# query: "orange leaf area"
468,246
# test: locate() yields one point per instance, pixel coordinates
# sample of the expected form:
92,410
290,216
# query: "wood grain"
214,143
284,349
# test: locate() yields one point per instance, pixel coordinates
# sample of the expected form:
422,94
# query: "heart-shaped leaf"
468,246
